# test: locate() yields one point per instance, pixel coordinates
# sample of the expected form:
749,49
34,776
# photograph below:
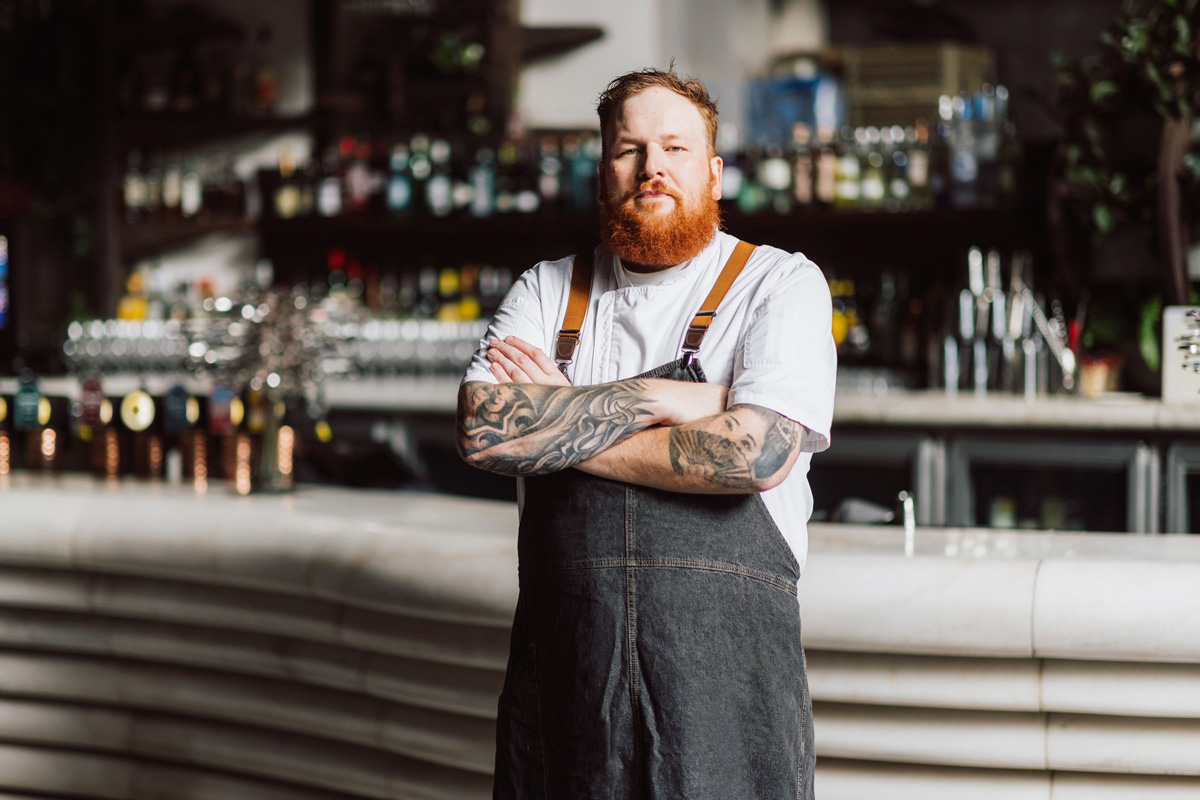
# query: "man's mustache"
652,185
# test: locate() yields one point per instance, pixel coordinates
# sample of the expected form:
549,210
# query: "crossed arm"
660,433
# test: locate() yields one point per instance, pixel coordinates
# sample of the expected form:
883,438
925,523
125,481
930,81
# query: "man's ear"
715,164
601,183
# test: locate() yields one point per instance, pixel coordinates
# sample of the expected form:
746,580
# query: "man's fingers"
534,352
514,371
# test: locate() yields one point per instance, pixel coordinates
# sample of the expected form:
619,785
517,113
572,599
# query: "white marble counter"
337,643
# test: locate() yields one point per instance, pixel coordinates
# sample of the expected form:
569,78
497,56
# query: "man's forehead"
680,114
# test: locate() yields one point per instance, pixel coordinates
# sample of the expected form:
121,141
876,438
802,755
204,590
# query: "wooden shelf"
173,129
841,240
140,240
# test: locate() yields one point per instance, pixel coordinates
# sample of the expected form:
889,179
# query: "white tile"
1118,609
1088,743
922,604
1126,689
924,736
851,780
930,681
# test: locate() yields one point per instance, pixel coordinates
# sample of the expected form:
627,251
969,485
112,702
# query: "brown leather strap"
733,268
577,303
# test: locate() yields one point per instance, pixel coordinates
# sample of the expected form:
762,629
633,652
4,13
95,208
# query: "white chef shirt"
770,341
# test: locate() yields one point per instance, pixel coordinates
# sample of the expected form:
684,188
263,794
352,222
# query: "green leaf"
1102,91
1116,184
1191,162
1074,153
1102,217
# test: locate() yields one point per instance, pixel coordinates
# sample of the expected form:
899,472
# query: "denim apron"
655,650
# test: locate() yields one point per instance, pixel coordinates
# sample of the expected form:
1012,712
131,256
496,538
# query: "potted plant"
1129,162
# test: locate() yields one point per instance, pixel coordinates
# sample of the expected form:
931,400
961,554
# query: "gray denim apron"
656,647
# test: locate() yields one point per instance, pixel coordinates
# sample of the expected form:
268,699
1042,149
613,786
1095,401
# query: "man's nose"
652,162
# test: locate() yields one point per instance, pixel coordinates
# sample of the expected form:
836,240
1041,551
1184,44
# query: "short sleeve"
788,360
519,315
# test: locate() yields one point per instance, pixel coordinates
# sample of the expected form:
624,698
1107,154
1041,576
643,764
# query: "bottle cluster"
165,186
215,75
420,175
968,158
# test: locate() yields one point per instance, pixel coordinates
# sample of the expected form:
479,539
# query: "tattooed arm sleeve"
743,450
529,429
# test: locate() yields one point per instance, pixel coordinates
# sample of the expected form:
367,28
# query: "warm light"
287,447
200,462
112,452
241,474
5,453
156,456
48,447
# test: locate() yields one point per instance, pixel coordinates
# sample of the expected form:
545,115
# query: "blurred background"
286,223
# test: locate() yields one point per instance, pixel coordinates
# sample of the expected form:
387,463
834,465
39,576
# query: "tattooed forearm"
528,429
741,450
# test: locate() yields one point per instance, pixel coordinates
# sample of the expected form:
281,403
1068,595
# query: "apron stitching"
677,563
631,620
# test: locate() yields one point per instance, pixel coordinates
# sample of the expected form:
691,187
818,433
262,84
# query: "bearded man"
656,646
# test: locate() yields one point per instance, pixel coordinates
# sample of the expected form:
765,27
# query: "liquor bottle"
483,183
550,174
399,182
180,411
868,145
1008,157
420,167
732,173
153,207
428,301
172,186
439,191
987,129
449,292
138,415
134,188
286,201
528,198
916,141
191,190
939,147
895,164
802,165
469,304
506,193
329,186
184,84
775,176
825,168
752,197
964,156
265,81
848,174
355,155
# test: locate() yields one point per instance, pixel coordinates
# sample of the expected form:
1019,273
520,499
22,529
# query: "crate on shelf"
898,84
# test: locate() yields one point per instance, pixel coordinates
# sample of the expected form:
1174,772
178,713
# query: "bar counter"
342,643
433,394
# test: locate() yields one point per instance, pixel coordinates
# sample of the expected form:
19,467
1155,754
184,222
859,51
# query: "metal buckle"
693,338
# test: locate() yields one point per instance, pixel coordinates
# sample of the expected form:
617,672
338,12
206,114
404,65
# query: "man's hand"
515,360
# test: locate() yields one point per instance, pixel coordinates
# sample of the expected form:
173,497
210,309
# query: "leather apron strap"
577,303
733,268
581,289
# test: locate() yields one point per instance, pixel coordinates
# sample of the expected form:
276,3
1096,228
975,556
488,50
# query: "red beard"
658,241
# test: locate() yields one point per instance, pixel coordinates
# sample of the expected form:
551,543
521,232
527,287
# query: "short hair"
633,83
